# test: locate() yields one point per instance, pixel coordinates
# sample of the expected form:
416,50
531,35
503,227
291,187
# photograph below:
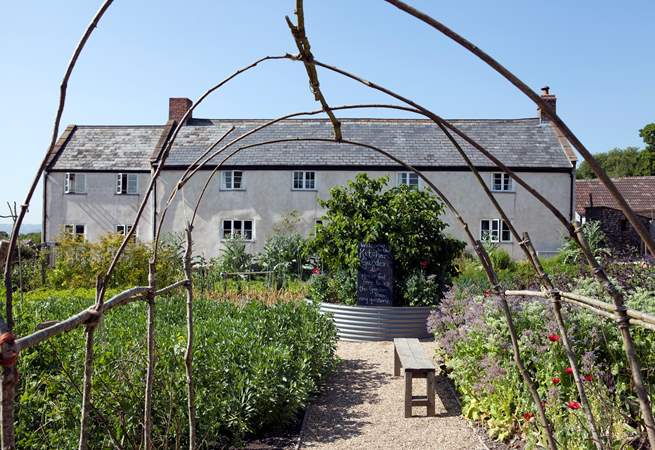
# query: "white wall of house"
100,209
267,197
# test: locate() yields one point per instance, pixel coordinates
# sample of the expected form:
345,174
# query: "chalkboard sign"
375,277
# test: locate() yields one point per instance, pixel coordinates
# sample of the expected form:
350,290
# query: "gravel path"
362,407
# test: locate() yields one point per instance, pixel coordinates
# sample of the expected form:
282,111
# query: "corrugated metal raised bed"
378,323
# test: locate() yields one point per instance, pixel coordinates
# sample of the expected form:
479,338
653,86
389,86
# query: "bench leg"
408,394
431,399
396,363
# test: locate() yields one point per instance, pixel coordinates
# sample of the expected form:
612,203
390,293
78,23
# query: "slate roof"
519,143
639,192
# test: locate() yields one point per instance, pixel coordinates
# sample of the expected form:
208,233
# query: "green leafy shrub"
255,366
283,254
407,220
234,257
595,238
421,290
79,262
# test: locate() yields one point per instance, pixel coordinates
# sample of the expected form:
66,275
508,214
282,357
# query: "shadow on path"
335,415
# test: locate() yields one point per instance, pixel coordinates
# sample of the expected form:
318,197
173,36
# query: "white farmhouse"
97,176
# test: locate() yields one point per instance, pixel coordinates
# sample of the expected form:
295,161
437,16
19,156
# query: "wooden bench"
409,354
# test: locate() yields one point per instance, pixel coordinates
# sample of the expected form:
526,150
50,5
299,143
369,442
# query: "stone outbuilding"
594,202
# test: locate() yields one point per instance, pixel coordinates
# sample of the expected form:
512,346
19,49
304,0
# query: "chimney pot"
550,100
177,108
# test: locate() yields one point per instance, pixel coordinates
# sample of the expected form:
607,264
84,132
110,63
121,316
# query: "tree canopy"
406,219
625,162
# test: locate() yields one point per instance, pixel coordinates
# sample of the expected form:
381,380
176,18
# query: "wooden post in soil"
150,344
91,325
623,322
188,353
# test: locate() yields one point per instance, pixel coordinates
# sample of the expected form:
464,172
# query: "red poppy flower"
555,380
553,337
316,271
424,264
528,416
487,293
569,370
573,405
588,377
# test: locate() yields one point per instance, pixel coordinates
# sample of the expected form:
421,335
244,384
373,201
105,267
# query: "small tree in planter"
407,220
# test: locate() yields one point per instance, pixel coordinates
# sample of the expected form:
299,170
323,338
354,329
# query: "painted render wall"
100,208
268,198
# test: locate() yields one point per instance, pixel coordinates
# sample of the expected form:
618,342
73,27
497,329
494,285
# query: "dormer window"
127,183
501,182
410,179
232,180
304,180
75,183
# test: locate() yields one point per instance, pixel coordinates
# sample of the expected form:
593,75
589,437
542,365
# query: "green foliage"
515,274
625,162
595,238
255,366
405,219
500,259
648,135
32,237
473,339
421,290
79,262
234,257
283,254
338,287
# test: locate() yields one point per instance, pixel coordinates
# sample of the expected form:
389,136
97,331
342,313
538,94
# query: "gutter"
44,214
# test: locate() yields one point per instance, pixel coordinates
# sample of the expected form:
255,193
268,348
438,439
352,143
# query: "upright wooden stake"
150,368
188,354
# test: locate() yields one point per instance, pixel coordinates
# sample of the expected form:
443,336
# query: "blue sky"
596,56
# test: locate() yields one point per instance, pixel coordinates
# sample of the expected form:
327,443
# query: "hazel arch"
89,317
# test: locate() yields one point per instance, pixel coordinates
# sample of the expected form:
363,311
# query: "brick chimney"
550,100
177,107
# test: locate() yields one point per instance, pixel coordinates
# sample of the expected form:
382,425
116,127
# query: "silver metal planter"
378,323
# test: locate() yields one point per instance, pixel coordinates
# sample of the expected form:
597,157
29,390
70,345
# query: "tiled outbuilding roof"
639,192
519,143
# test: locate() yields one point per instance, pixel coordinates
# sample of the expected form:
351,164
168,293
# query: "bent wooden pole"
599,272
9,374
545,108
484,259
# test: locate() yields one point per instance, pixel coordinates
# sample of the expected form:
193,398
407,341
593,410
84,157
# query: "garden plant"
89,317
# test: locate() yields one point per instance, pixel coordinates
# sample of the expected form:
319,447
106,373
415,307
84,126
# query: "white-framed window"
494,230
75,183
127,183
76,230
501,182
238,228
123,229
232,180
411,179
304,180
